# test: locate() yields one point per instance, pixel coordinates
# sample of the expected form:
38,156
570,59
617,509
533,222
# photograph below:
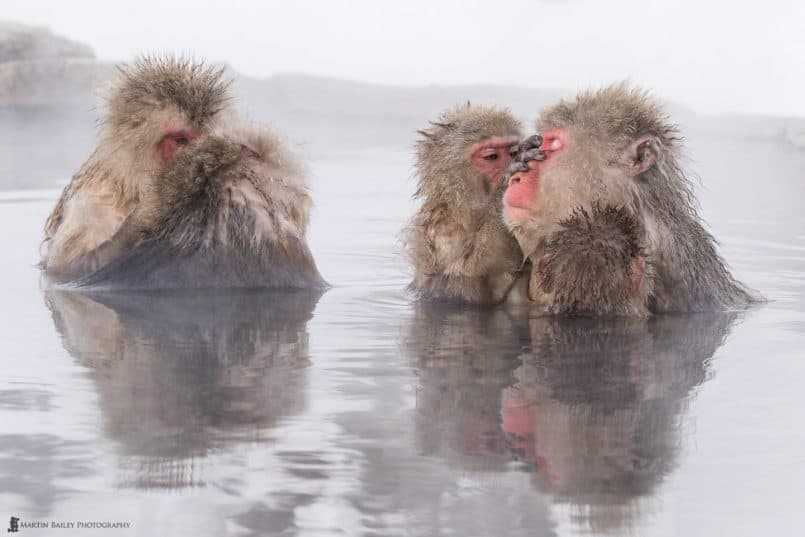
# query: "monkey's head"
605,145
462,157
156,107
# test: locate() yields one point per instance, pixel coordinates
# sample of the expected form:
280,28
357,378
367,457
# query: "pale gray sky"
715,56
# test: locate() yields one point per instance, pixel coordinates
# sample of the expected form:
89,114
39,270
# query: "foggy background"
352,76
714,57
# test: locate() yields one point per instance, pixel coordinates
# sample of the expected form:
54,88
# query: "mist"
714,57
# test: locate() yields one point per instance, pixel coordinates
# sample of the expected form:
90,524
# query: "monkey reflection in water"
179,374
592,408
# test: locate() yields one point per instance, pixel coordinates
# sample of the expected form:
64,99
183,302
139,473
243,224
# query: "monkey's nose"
515,179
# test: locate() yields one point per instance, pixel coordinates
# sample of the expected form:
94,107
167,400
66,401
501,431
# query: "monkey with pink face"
457,244
179,194
608,217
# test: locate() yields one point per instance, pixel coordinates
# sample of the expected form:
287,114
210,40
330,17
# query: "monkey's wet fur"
457,243
179,193
589,264
205,233
594,215
617,149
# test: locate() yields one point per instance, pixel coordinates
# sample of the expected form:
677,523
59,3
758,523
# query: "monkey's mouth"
520,197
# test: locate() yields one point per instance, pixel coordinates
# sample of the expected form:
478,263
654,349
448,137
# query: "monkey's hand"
524,152
595,263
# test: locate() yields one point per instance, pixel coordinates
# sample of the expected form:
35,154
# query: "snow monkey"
616,147
229,211
178,195
457,243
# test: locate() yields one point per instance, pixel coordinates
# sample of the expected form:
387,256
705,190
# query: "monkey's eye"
491,156
182,140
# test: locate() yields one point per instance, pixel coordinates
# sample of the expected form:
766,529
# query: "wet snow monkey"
457,243
176,194
617,149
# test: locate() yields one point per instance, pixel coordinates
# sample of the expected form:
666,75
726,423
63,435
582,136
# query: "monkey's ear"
640,156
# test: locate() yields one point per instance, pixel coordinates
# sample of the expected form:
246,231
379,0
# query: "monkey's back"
220,216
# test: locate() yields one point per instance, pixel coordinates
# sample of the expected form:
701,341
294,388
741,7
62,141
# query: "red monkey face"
491,157
522,198
173,141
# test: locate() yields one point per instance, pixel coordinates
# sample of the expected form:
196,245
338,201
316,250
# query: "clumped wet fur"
153,83
589,264
457,244
230,211
152,93
222,204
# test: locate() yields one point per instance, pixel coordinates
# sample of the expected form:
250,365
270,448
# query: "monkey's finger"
516,166
533,154
535,140
529,143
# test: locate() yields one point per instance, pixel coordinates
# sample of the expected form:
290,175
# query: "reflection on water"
464,360
592,409
181,374
597,407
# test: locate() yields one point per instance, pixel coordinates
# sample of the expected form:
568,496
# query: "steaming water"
359,413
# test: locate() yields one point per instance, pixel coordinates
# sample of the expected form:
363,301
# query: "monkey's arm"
212,225
453,263
163,263
78,184
429,241
433,243
88,214
492,253
594,265
126,238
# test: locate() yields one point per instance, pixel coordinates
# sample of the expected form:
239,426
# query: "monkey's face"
526,193
173,140
598,147
575,171
490,157
156,107
463,156
142,147
165,132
